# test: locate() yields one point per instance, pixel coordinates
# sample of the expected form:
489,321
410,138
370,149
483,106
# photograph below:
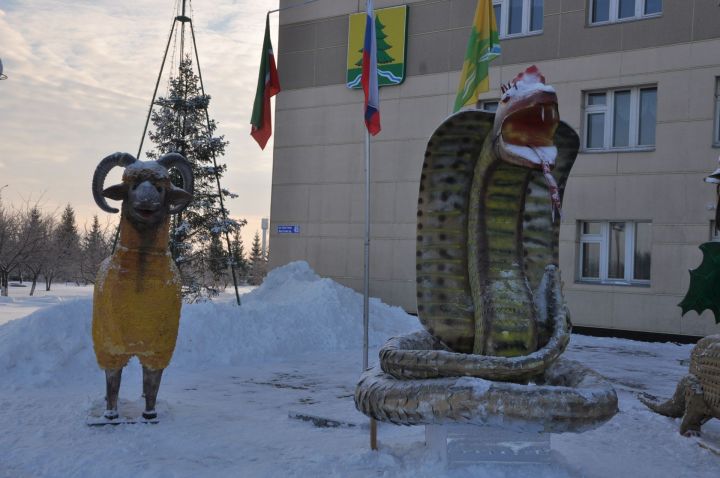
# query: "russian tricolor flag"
369,74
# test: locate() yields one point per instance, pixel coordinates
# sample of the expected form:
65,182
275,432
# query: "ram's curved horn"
101,172
177,160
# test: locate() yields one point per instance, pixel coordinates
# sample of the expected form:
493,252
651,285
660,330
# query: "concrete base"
464,444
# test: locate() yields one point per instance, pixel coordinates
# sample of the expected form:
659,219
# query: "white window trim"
483,103
593,239
609,110
603,239
505,19
615,8
716,123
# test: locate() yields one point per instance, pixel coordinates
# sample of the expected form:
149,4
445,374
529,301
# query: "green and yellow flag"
483,46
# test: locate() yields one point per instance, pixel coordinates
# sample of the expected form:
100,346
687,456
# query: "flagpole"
366,288
372,125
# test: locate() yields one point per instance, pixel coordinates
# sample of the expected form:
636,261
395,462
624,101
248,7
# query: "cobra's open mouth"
527,137
528,131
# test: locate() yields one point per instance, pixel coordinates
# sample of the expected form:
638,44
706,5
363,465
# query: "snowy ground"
294,347
19,303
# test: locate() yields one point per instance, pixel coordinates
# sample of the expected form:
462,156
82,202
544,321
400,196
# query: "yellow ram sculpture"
137,298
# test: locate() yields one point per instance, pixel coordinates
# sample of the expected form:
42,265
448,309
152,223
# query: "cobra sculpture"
488,287
137,297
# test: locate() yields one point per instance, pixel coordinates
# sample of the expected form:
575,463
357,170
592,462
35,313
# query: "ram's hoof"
149,415
110,414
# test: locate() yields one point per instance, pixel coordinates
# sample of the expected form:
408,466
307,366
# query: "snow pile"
53,344
293,312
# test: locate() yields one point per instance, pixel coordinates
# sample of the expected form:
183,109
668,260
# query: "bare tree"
9,250
51,267
18,241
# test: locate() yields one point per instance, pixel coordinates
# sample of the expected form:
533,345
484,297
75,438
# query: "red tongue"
554,190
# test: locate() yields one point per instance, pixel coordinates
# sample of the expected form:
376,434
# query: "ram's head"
147,194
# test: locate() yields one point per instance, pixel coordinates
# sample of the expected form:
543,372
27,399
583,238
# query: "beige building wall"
318,176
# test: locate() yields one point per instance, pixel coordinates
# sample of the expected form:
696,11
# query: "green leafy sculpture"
704,290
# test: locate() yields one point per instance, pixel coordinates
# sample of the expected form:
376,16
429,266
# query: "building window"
614,252
491,105
610,11
716,130
518,17
620,119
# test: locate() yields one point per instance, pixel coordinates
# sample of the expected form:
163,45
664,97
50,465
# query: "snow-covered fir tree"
66,250
181,125
238,256
257,262
95,248
218,262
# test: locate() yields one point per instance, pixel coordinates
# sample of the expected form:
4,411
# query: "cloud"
80,77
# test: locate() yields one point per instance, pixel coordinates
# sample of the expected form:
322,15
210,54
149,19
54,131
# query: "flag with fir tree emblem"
483,46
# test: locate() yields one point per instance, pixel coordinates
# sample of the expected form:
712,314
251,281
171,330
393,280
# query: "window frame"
603,239
526,17
482,105
608,109
614,9
716,123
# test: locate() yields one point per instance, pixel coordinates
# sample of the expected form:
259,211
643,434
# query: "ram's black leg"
151,385
112,383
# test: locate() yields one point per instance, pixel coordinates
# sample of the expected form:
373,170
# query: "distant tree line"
44,247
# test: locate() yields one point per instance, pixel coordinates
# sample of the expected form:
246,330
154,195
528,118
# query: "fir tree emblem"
390,38
382,46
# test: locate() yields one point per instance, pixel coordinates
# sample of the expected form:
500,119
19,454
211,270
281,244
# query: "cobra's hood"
526,120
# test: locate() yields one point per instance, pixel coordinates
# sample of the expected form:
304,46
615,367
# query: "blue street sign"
288,229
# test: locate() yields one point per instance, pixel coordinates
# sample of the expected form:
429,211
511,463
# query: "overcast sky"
80,77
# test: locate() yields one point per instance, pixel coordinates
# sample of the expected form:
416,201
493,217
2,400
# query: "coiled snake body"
488,288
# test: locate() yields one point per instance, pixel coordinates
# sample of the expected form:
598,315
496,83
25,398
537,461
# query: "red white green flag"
268,86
